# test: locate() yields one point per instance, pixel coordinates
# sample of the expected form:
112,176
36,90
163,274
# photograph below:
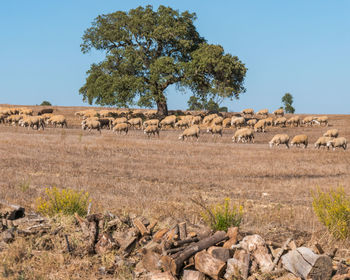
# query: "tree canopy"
287,100
147,51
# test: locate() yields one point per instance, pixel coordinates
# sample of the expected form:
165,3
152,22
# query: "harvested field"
157,177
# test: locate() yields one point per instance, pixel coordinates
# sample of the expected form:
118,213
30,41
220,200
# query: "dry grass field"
157,177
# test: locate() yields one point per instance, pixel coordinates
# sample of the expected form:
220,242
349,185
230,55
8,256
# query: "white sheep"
151,129
209,118
215,129
226,122
308,121
237,121
260,126
135,122
322,141
248,112
168,121
252,122
244,135
279,139
154,122
121,127
322,120
263,113
279,112
193,131
300,139
294,121
331,133
280,121
92,124
340,142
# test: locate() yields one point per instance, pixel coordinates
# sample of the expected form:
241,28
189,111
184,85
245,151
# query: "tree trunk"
162,108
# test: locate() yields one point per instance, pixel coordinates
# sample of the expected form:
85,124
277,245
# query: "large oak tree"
147,51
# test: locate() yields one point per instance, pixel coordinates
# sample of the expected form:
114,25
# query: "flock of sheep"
247,123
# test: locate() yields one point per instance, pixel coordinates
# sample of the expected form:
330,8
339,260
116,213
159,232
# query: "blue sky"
295,46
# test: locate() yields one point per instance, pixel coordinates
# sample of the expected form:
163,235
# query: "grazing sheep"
217,121
34,122
279,112
168,121
151,129
215,129
119,120
120,127
263,113
294,121
237,121
182,124
105,113
209,118
226,122
28,112
279,139
332,133
300,139
244,135
135,122
308,121
340,142
196,120
322,141
92,124
89,114
45,111
193,131
269,121
57,120
260,126
252,122
13,119
280,121
248,112
322,120
2,118
154,122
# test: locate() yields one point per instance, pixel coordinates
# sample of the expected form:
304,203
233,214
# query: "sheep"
106,122
248,112
2,118
105,113
182,123
237,121
135,122
269,121
89,114
294,121
196,120
244,134
322,120
209,118
151,129
308,121
119,120
193,131
92,124
28,112
168,121
279,139
280,121
57,120
217,121
215,129
154,122
279,112
252,122
120,127
300,139
260,126
34,122
340,142
45,111
322,141
13,119
331,133
263,113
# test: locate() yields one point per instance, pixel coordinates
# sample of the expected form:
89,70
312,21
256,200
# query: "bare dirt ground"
157,177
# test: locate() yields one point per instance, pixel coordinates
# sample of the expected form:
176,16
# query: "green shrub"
223,215
45,103
333,210
66,202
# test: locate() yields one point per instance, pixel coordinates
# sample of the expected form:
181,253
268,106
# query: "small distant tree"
287,100
45,103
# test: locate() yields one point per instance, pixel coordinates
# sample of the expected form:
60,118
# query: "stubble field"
157,177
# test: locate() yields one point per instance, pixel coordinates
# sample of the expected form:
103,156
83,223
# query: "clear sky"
296,46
